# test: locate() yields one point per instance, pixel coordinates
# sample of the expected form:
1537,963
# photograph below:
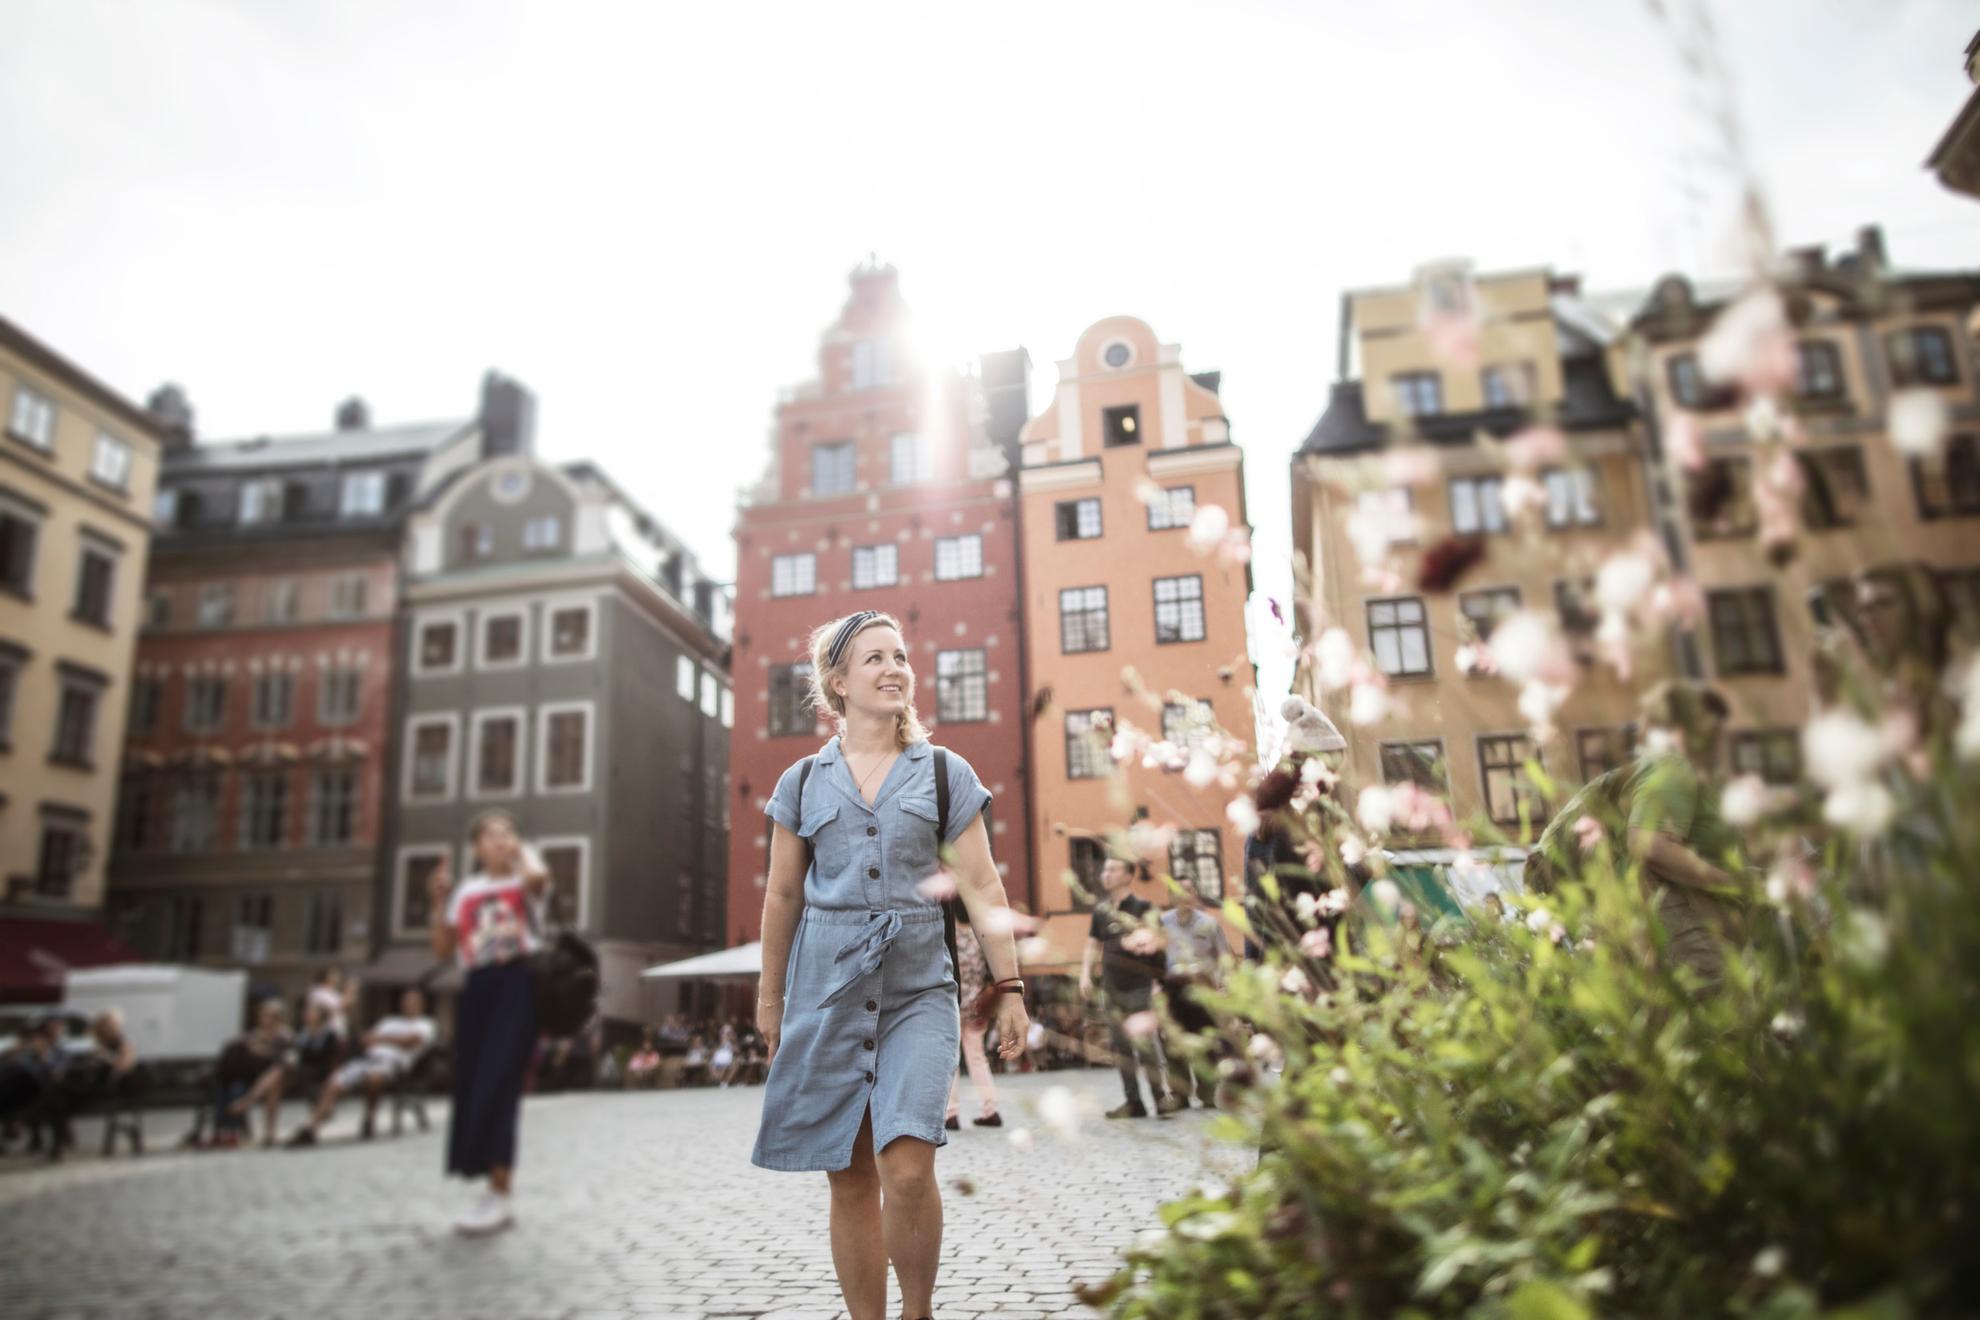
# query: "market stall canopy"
36,955
740,963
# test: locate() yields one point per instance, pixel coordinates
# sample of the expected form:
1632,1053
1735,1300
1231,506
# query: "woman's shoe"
952,1124
989,1120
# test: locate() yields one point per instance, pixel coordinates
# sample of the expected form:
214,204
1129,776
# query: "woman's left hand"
1013,1026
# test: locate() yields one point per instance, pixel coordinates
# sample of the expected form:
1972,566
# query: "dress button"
872,1006
872,830
869,1044
869,1077
872,873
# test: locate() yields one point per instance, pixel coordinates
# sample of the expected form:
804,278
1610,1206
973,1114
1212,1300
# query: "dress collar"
831,751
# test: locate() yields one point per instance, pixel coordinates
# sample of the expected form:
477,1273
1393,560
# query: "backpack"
566,975
941,835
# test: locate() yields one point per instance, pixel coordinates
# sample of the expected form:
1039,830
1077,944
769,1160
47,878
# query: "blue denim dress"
870,1018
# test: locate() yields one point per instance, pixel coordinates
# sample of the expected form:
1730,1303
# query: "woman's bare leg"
859,1246
271,1105
912,1215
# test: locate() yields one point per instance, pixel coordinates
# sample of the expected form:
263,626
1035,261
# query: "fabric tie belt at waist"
869,947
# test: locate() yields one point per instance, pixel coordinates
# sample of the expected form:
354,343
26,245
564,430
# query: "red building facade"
888,489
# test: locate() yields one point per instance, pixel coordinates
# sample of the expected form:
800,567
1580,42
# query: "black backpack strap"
770,826
941,839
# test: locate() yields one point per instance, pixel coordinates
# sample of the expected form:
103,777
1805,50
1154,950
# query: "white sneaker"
490,1213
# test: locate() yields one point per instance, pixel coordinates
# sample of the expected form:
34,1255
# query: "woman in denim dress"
858,1001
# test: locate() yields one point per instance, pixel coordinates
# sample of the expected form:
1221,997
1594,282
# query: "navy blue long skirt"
494,1039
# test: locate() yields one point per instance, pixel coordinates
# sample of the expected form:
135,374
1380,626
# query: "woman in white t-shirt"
492,922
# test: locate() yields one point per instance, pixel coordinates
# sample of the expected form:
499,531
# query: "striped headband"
843,638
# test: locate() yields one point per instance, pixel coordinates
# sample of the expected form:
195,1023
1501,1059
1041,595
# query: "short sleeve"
967,796
783,804
1666,798
454,898
1096,928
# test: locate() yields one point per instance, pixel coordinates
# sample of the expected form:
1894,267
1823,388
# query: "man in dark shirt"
1123,942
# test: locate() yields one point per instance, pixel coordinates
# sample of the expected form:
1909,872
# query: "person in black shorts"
1123,942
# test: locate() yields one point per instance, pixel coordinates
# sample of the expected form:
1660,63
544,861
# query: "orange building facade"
1134,634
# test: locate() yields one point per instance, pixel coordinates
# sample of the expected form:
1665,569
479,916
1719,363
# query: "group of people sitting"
270,1062
714,1054
49,1077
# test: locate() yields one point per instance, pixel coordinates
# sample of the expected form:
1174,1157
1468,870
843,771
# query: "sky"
647,213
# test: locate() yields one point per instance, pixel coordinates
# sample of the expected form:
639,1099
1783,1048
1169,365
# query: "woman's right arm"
439,886
783,904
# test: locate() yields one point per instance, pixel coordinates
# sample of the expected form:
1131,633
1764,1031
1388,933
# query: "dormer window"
1418,393
363,495
1122,425
260,500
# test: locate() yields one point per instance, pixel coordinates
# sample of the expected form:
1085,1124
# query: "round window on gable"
510,485
1117,354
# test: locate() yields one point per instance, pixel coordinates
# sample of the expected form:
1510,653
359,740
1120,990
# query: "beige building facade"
78,466
1466,383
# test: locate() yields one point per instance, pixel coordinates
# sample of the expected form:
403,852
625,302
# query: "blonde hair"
908,728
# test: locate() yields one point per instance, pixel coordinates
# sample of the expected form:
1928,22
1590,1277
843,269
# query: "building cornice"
1197,458
76,488
1079,473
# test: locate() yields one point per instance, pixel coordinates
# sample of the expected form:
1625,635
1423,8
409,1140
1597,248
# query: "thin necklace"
886,760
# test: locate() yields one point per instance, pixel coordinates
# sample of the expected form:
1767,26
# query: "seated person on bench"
391,1048
304,1067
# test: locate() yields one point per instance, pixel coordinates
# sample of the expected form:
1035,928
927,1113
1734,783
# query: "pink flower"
1317,943
1140,1026
1751,344
1411,465
1588,833
937,888
1534,448
1519,493
1684,439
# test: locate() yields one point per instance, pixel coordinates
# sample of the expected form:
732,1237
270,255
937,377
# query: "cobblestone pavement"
628,1205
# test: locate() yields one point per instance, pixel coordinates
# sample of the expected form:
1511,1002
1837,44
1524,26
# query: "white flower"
1518,493
1375,809
1367,704
1353,849
1340,1076
1384,894
1058,1110
1151,1240
1864,807
1786,1024
1310,772
1525,646
1769,1262
1660,742
1306,907
1744,800
1763,418
1966,739
1034,950
1917,422
1839,749
1142,1025
937,888
1740,335
1201,772
1208,527
1333,902
1021,1139
1538,701
1623,580
1866,939
1263,1049
1243,815
1294,982
1335,652
1539,919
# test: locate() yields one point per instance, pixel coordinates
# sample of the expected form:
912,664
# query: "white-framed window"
684,677
347,592
430,757
876,566
339,693
728,708
193,824
412,870
834,468
1179,609
563,747
438,647
1196,860
504,638
567,859
216,605
794,575
274,704
206,702
909,458
333,805
32,419
1399,634
279,601
1191,723
962,686
165,507
711,695
543,533
958,557
1477,505
1571,500
20,537
254,922
872,364
1176,508
496,753
110,462
1077,520
570,631
260,502
363,495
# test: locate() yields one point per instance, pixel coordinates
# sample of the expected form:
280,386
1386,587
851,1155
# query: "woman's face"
878,679
497,846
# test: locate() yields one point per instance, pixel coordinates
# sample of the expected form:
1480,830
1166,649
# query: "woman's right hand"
770,1023
439,884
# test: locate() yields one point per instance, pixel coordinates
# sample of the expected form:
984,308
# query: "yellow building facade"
78,468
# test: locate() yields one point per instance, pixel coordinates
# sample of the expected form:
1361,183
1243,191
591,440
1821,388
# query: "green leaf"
1537,1299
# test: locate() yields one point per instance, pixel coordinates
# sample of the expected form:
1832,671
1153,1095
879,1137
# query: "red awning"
36,953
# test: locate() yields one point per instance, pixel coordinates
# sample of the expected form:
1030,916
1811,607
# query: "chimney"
169,407
1870,250
353,414
508,417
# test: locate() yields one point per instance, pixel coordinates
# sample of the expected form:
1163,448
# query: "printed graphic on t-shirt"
492,923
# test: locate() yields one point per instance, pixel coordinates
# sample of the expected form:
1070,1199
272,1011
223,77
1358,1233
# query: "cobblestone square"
628,1205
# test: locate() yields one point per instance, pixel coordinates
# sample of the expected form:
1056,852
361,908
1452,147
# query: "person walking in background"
1122,943
492,923
974,973
858,1001
1194,948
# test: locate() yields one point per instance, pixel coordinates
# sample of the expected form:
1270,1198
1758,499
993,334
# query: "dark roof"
1589,403
1209,380
317,449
